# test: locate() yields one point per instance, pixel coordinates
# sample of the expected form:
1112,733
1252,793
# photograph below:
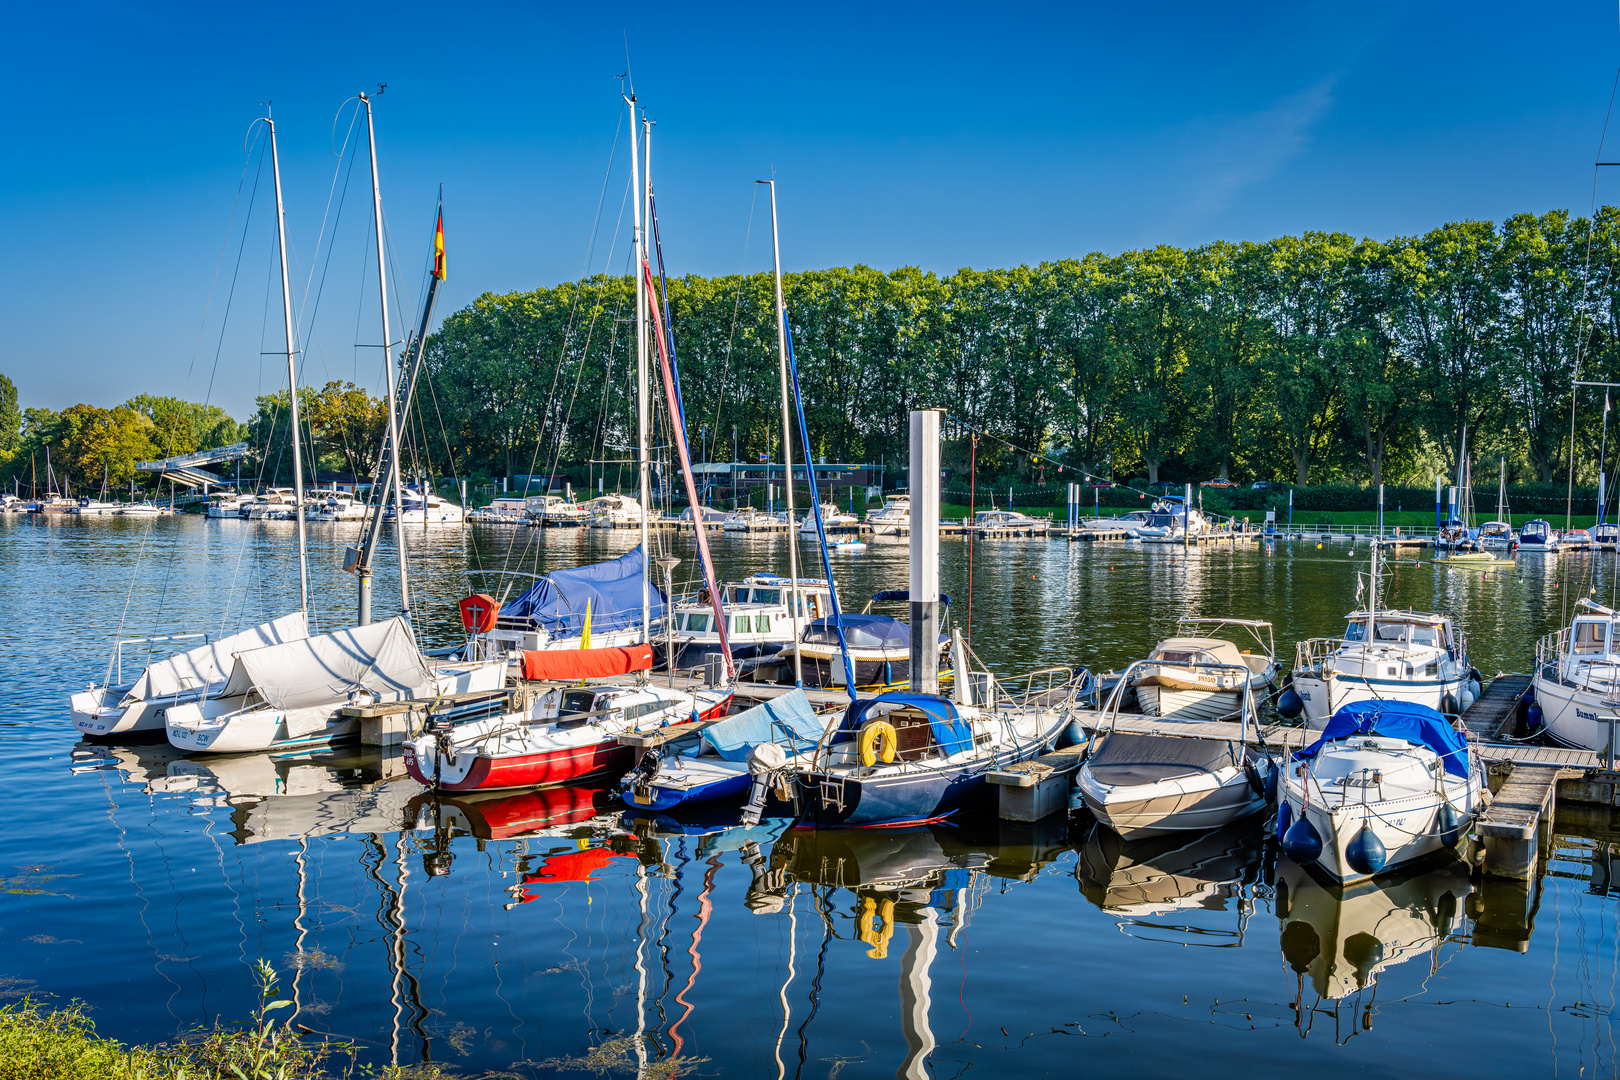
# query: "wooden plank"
643,740
1517,810
1489,715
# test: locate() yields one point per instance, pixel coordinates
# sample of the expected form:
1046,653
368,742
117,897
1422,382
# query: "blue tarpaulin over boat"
951,732
1417,724
788,721
861,631
556,603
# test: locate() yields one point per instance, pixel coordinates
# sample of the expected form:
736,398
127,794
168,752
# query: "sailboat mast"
1501,493
643,460
292,375
388,367
787,440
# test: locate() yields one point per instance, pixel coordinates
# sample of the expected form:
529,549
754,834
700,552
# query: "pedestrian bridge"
185,468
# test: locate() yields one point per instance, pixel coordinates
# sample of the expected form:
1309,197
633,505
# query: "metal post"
644,458
292,379
925,553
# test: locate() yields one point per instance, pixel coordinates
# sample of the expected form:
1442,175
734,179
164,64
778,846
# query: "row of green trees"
1311,359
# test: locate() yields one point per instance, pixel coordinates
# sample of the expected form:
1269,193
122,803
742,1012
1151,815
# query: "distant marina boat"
613,512
225,505
1496,536
1171,520
761,619
93,506
893,518
1008,523
554,511
1538,535
425,508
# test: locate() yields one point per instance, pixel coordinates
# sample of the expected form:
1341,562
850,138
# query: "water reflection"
1161,875
1338,941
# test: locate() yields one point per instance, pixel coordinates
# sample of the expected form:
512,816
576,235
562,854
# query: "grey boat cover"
1125,760
380,657
207,665
788,721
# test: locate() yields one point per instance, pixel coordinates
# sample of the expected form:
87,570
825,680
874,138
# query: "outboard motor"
764,761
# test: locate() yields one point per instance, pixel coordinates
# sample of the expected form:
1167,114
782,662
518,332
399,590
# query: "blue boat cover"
861,631
951,733
904,594
1417,724
788,721
557,601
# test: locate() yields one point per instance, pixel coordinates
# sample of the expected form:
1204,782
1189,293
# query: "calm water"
566,937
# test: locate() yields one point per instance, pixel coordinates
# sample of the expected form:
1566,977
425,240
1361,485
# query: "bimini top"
951,733
860,632
613,589
1417,724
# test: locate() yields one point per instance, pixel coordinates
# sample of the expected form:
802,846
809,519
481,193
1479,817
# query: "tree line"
1312,359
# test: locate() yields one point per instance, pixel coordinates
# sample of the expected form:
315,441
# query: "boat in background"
1496,536
554,511
1576,540
613,512
1171,520
551,614
1386,784
991,523
760,612
91,506
1538,535
893,518
1577,679
832,520
1197,676
425,508
225,504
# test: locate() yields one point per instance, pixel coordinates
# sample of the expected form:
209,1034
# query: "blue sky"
935,135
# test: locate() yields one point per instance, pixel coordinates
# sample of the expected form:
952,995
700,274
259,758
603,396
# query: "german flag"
438,247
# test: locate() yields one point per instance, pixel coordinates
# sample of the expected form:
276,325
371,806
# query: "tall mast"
644,461
292,373
787,439
388,366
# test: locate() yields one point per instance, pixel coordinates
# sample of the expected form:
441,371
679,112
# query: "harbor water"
549,932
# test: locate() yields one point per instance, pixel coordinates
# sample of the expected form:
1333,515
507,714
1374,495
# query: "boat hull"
1406,827
1573,717
491,773
695,781
1184,804
907,798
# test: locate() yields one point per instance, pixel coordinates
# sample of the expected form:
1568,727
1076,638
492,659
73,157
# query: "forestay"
381,658
788,721
208,664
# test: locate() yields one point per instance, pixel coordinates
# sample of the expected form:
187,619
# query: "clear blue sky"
938,135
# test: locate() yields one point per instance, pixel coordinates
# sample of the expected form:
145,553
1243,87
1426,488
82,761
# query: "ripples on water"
547,928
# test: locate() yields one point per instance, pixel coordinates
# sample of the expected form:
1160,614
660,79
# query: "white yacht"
832,520
336,506
93,506
613,512
1007,523
275,503
1172,520
1577,678
554,511
1388,783
502,511
1385,655
427,509
761,618
226,504
1496,536
893,519
1538,535
143,509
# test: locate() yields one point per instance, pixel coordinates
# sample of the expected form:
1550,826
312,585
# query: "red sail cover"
565,665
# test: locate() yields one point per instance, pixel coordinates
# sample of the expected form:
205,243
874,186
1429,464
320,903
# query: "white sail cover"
207,665
324,669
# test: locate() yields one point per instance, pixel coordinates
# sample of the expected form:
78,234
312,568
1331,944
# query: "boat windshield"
767,596
1590,637
576,701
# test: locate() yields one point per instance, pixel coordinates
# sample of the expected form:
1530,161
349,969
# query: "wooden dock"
1495,712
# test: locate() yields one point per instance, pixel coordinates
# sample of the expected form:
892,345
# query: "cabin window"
1388,632
1590,637
1425,635
1355,632
740,624
697,624
762,624
1433,669
576,701
1174,657
767,596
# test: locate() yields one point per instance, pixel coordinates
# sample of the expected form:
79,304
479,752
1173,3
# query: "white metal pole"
388,368
787,440
924,593
292,375
644,461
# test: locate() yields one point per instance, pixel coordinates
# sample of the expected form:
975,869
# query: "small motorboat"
1606,537
760,611
1577,678
1477,560
1386,784
716,764
894,519
1496,536
1576,540
1170,521
1198,676
1538,535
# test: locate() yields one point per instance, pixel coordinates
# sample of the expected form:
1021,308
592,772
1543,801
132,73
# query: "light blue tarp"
787,720
1417,724
556,603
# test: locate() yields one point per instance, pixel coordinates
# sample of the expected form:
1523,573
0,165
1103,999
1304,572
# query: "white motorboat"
426,508
1145,785
1496,536
1198,676
336,506
554,511
1007,523
893,518
1606,536
1386,784
1538,535
1577,679
1576,540
292,695
832,520
501,511
613,512
753,519
93,507
1384,655
187,676
143,509
225,505
273,504
1172,520
760,614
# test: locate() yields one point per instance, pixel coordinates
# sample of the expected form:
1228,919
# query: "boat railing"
1551,652
117,678
1049,687
1247,711
1313,653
